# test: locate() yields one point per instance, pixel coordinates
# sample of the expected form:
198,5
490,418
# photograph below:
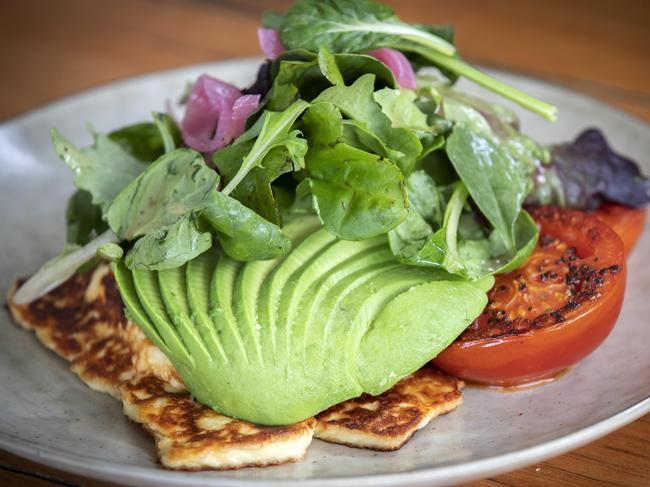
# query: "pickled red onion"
216,113
398,64
269,42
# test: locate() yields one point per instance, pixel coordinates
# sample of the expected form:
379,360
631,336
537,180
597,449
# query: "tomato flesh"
627,222
551,312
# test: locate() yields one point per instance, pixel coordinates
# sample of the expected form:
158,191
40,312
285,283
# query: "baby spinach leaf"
254,191
497,122
329,68
291,76
302,205
304,74
373,127
526,235
243,234
83,219
425,197
322,124
359,26
356,102
275,132
399,107
353,66
492,178
345,26
459,244
357,195
177,184
170,246
356,134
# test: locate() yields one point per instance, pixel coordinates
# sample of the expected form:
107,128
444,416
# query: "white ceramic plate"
48,415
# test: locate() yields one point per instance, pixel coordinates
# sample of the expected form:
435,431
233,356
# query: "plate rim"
465,471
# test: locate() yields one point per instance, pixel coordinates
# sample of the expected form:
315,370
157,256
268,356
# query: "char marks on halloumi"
190,436
387,421
83,322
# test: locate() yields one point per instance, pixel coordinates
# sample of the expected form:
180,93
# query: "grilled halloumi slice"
191,436
387,421
83,321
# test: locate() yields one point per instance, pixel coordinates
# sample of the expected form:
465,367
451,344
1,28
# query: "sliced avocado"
424,320
148,294
275,289
297,230
173,291
134,310
221,310
275,342
197,279
344,258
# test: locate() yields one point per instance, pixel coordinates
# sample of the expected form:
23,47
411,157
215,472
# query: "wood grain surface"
51,49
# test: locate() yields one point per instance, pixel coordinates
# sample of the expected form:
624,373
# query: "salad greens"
348,226
352,27
441,174
362,25
334,118
103,169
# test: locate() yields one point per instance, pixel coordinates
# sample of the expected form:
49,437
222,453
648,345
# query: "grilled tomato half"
625,221
552,311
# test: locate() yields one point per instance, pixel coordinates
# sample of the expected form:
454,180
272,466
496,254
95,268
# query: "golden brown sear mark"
387,421
191,436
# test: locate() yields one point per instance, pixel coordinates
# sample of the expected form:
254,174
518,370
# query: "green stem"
52,274
460,67
403,31
452,217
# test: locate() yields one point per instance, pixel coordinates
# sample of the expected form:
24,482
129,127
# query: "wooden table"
597,47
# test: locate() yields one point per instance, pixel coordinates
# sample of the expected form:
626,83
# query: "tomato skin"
540,353
627,222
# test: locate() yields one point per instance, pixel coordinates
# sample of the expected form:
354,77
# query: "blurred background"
49,49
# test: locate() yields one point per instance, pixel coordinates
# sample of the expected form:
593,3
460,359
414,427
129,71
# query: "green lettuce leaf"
357,195
346,26
370,127
243,234
492,178
103,169
169,247
171,188
275,130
